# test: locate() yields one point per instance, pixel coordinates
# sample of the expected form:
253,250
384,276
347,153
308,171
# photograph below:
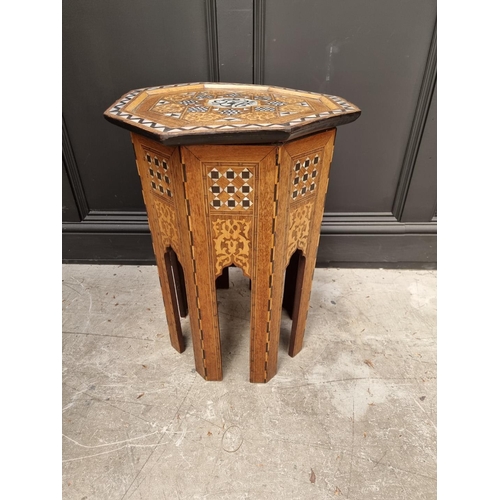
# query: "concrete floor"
352,416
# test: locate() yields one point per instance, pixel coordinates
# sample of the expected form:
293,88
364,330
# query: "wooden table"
233,175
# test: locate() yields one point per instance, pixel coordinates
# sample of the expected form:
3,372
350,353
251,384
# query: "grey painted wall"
380,55
109,48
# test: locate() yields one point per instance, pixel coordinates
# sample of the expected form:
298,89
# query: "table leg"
203,315
170,299
268,272
199,270
304,228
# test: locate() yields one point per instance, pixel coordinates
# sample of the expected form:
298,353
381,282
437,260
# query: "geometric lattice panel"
304,174
158,171
230,188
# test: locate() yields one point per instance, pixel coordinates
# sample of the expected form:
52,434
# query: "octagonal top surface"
226,113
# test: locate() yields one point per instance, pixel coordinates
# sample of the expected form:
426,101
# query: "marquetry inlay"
167,223
304,175
220,110
234,108
299,222
232,243
230,187
159,176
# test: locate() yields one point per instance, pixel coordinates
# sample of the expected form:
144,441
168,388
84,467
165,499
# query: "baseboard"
404,251
107,248
389,245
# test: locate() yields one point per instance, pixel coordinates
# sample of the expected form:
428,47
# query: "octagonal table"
233,175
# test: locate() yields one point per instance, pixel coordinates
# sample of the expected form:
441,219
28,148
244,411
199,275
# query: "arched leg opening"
179,282
299,275
291,283
222,281
233,304
174,298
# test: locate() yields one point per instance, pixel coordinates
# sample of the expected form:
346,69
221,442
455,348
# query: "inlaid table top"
225,113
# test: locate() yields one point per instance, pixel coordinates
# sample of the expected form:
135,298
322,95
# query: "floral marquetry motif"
167,224
298,228
232,244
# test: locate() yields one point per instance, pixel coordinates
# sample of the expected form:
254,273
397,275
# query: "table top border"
231,133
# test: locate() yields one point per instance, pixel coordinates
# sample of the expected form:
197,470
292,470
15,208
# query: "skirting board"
410,251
